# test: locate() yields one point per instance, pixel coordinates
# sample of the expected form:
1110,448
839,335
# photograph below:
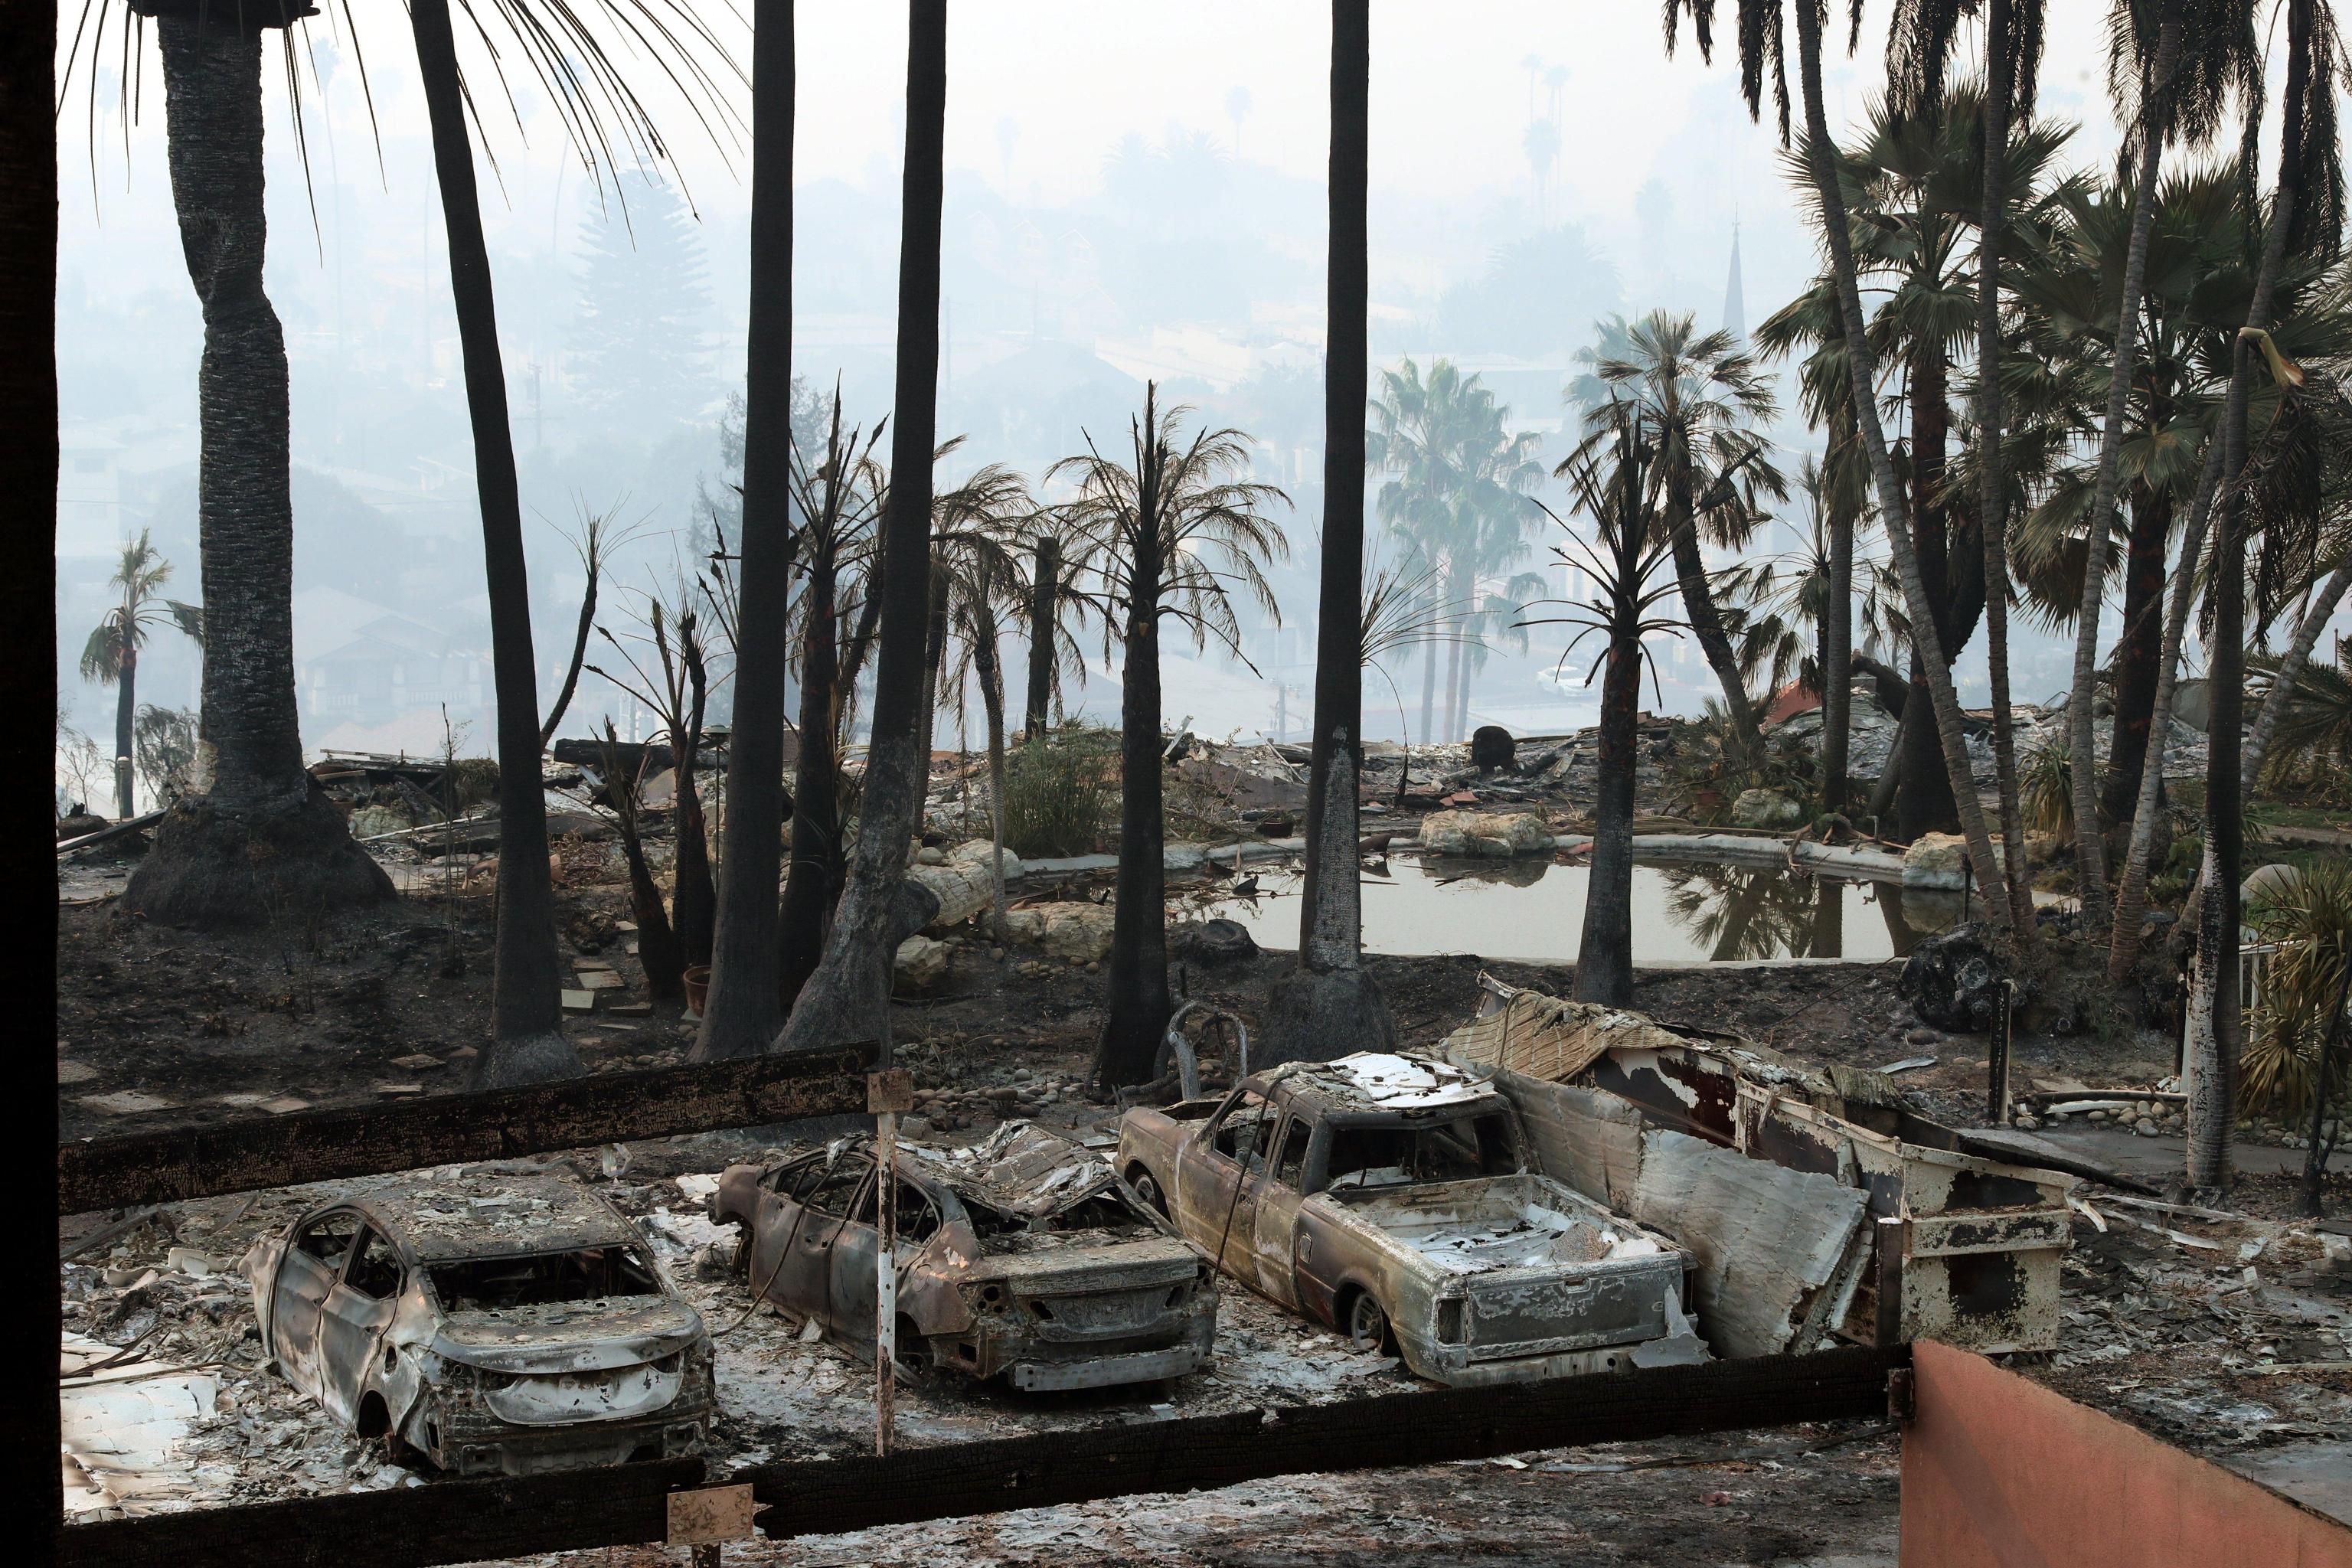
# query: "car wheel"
1148,1191
912,1352
1367,1324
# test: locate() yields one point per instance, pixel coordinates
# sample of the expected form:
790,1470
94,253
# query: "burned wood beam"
465,1521
1418,1429
255,1153
457,1522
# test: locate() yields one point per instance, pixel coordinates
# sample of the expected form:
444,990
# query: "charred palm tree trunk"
848,997
260,843
1993,493
528,1044
2137,654
2215,1006
694,902
126,711
1136,1004
1604,950
988,666
1925,800
1706,621
1863,374
814,879
28,466
742,1016
2090,841
1330,1006
1837,662
1044,615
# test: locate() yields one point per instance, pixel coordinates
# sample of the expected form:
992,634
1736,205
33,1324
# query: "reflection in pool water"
1534,910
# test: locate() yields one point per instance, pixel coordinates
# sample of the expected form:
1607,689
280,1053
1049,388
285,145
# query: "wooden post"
1997,1070
887,1093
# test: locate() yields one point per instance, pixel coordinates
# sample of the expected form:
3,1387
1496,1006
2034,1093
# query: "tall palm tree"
2306,216
528,1043
1921,37
1703,401
259,839
1453,497
1609,479
1330,1006
1762,51
743,1011
2150,79
1182,535
111,657
847,997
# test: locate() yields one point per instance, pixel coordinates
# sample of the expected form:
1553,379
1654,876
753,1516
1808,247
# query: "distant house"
374,667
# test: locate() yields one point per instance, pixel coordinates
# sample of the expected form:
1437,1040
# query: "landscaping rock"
921,963
1075,933
1489,833
373,821
1765,808
1936,860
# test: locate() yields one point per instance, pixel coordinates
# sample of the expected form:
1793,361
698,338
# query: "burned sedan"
508,1326
1392,1197
1023,1257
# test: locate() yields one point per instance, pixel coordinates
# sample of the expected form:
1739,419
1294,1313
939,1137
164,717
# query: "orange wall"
1999,1471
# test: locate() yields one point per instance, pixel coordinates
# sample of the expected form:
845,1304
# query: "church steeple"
1735,306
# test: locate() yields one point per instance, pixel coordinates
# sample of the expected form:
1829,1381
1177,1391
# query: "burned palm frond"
675,686
595,544
581,54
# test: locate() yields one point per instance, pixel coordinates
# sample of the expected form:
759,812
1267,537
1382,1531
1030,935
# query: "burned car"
1023,1257
510,1326
1392,1197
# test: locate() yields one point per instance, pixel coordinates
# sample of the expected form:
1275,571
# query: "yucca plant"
2046,792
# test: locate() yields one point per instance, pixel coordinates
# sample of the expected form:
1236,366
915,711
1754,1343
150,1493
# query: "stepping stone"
579,1001
284,1105
634,1009
400,1088
125,1102
75,1072
244,1101
417,1063
600,980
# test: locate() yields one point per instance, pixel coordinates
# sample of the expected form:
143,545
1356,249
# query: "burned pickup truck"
1023,1257
1392,1198
514,1325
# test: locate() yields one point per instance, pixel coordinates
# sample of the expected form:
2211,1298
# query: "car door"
312,1263
1216,1173
351,1321
849,1261
795,1248
1279,1192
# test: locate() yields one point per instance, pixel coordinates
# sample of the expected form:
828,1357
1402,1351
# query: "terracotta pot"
697,980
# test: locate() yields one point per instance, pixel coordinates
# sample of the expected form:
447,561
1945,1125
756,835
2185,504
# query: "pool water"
1533,910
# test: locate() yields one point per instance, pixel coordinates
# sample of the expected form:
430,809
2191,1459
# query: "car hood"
1074,1264
569,1336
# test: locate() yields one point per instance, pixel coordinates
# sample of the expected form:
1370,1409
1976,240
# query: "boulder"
1212,942
921,963
2272,884
975,852
1765,808
1077,932
1498,834
1936,860
1491,747
1953,980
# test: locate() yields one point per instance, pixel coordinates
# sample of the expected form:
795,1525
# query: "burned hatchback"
510,1326
1023,1257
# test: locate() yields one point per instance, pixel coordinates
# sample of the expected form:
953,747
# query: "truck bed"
1499,1222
